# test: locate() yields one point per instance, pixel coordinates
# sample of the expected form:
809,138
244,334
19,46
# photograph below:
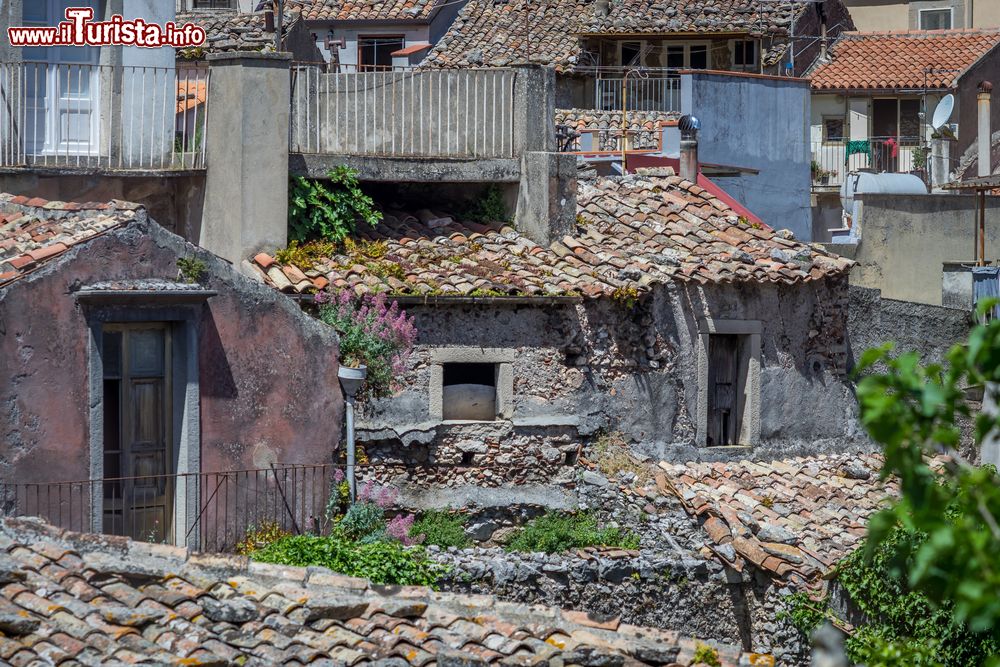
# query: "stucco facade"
247,353
906,14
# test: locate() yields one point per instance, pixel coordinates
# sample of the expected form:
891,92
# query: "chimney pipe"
985,133
689,126
823,45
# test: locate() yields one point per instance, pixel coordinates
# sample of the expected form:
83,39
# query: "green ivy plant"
556,532
328,209
442,528
192,269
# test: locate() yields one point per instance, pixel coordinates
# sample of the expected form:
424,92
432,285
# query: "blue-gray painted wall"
760,123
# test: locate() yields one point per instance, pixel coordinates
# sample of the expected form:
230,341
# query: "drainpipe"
351,380
985,91
689,126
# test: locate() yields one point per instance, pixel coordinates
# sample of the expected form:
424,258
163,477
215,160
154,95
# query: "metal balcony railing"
465,113
81,116
211,511
659,92
832,161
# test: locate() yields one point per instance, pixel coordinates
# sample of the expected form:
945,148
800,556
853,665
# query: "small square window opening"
469,391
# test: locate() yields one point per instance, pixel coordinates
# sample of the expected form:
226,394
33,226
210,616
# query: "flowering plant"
373,333
365,522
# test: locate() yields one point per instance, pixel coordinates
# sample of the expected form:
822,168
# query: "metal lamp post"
351,380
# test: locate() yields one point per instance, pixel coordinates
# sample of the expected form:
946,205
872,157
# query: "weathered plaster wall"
906,239
768,118
580,368
930,330
268,373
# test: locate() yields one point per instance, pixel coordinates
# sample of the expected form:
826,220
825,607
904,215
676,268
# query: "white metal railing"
102,116
465,113
653,93
832,161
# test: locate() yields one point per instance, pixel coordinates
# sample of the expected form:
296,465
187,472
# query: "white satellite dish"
943,111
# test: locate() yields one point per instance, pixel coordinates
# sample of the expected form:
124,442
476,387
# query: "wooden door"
723,389
138,462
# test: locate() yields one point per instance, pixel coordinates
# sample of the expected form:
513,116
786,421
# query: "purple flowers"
372,332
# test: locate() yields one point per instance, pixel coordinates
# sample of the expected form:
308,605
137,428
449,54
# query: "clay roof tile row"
629,234
902,60
100,600
35,230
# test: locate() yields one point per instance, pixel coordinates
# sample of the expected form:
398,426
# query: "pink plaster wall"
268,372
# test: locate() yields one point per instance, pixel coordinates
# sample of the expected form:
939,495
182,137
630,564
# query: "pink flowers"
372,332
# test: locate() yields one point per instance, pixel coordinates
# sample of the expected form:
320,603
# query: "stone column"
246,134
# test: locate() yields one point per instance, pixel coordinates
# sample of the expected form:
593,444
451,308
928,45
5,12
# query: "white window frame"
502,357
951,17
750,339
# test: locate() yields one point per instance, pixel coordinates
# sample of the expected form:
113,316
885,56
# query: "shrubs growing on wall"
328,209
372,333
556,532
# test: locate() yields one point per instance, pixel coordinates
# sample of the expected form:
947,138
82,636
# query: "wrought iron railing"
80,116
212,511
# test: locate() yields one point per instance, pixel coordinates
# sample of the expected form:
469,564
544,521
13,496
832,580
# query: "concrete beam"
409,169
246,134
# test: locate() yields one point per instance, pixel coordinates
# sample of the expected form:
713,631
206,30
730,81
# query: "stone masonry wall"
580,368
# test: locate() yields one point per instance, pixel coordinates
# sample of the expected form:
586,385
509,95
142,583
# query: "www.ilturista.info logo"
80,30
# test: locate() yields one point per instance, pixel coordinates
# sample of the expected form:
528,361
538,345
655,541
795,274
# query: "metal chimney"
689,126
985,133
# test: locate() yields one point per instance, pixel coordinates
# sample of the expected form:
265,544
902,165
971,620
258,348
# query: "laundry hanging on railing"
986,285
860,146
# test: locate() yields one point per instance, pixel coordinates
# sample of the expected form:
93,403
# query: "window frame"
844,131
502,357
750,333
923,11
746,67
374,67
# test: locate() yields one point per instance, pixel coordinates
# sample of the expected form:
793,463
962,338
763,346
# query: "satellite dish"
943,111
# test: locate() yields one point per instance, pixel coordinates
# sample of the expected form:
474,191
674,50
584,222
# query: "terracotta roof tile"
367,10
229,30
629,234
890,60
499,33
211,609
33,231
822,502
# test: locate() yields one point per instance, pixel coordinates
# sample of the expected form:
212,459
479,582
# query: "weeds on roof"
611,454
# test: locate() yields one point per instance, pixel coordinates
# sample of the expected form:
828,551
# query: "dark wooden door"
138,496
723,386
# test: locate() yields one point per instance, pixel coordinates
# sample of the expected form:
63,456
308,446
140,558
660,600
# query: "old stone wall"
692,598
580,368
930,330
267,372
